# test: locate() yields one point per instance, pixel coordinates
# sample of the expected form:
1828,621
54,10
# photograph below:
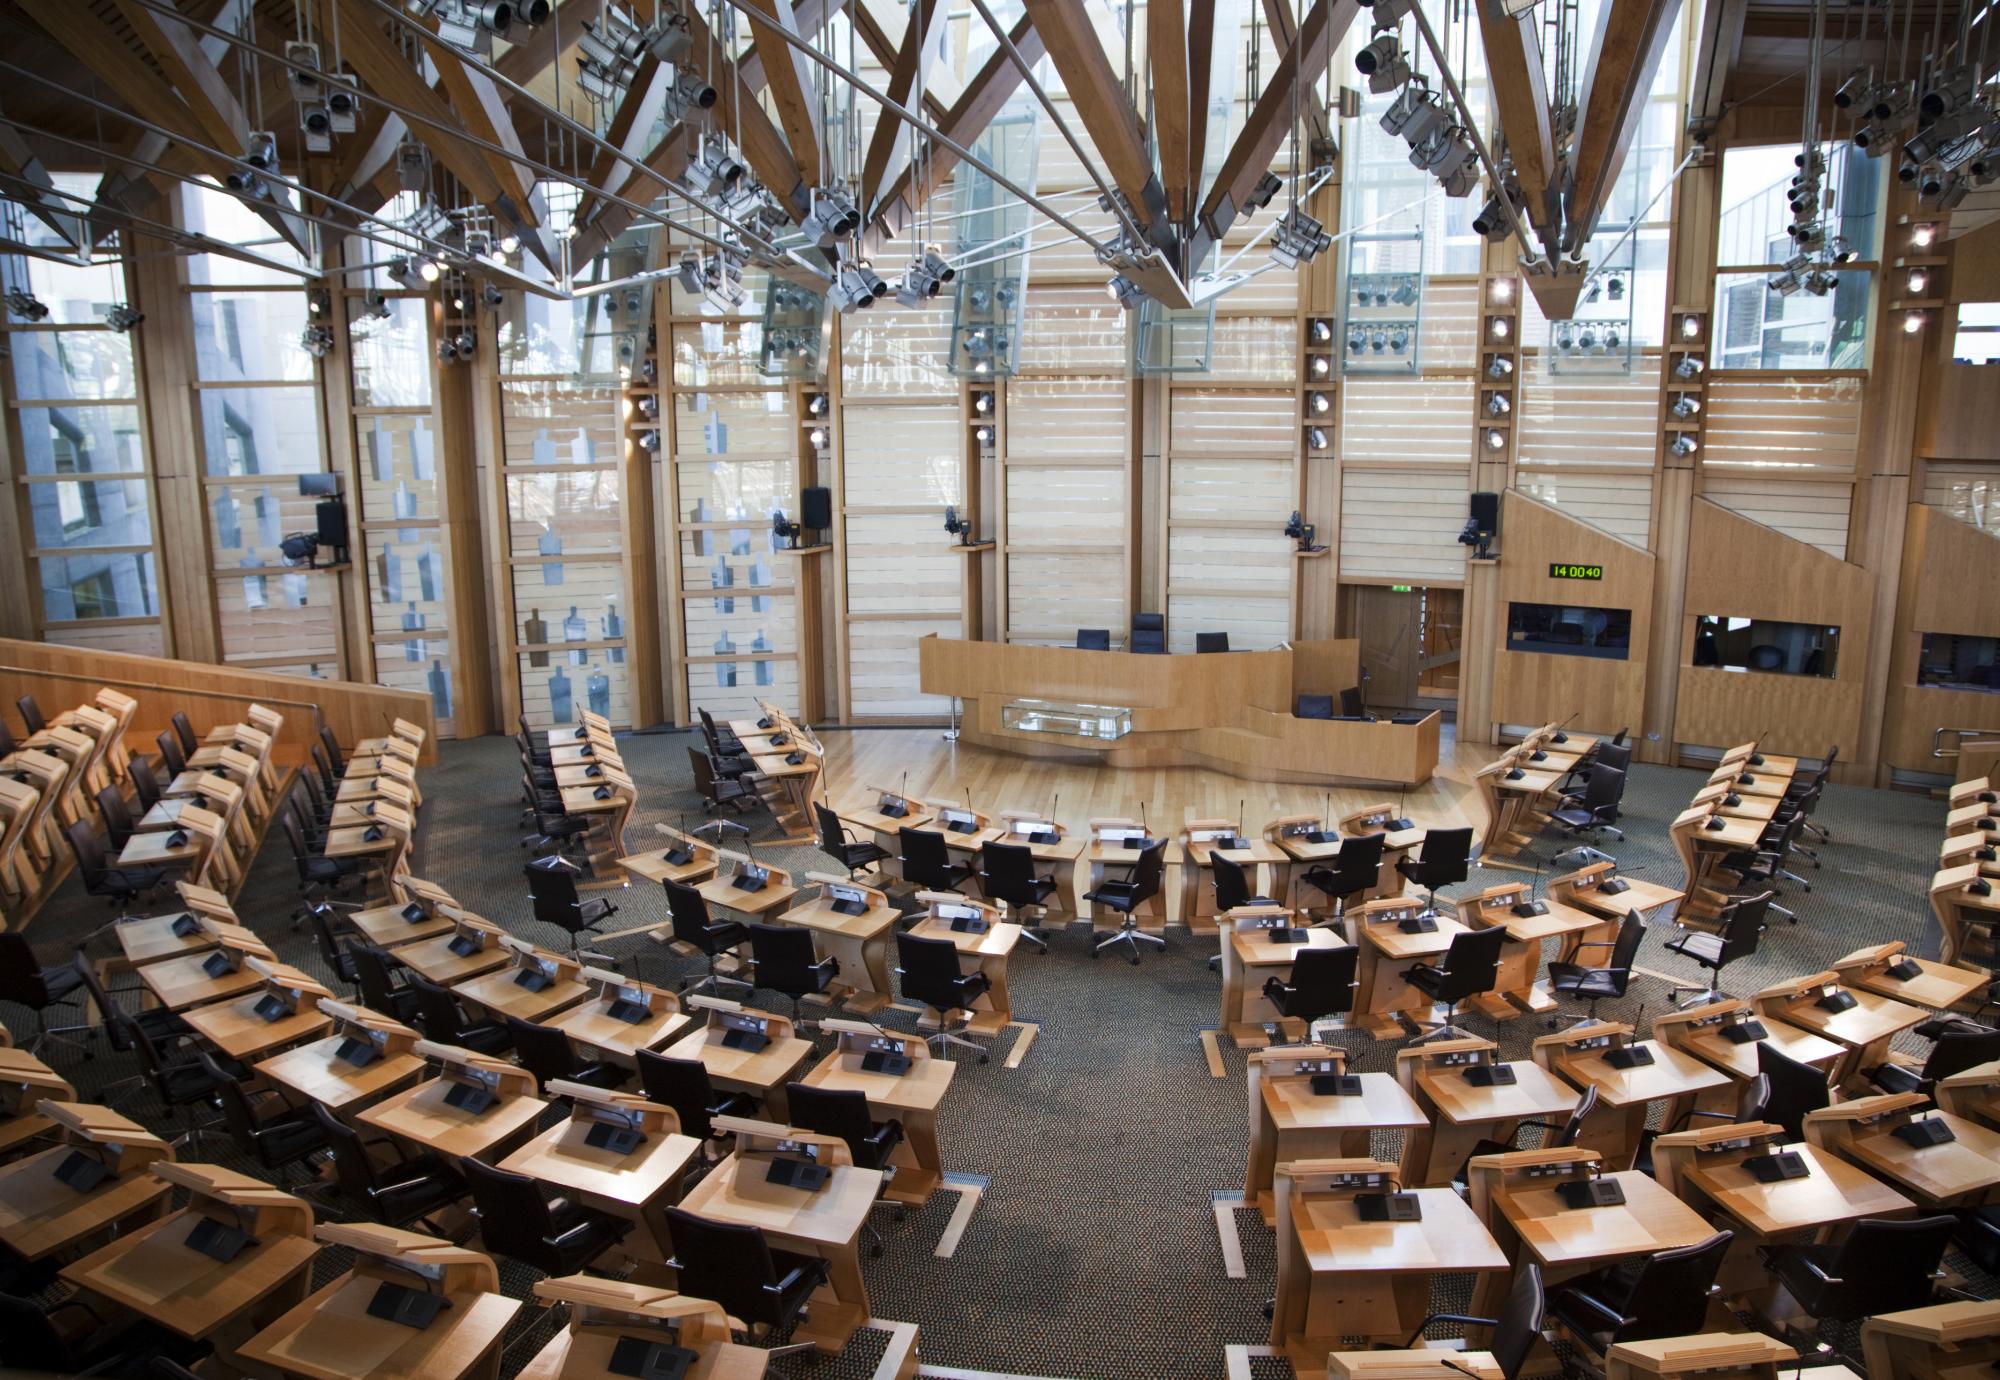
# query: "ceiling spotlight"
428,270
649,407
856,286
1690,367
1923,235
399,271
260,161
123,316
1785,284
609,51
1912,322
1611,338
1499,367
1503,290
983,435
722,281
316,340
1586,340
1399,340
1416,114
925,277
1685,405
1690,328
1383,63
375,304
1855,89
1951,90
1917,282
1260,195
26,305
1404,294
1316,437
1500,328
649,441
688,273
817,438
1321,366
690,89
1357,341
1299,239
1378,341
816,404
1321,332
491,297
1683,444
1496,440
1497,405
466,343
469,25
1320,403
1491,221
1615,289
833,217
713,172
1126,293
1819,282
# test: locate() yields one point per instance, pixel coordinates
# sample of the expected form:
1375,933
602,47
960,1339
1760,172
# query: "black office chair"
1352,704
838,842
1125,895
279,1141
333,751
928,969
684,1085
1211,642
1881,1266
25,982
1796,1089
832,1112
117,816
1356,868
1322,984
716,789
1961,1047
1515,1331
31,715
765,1289
146,786
927,863
694,926
184,730
1093,639
443,1021
556,1236
547,1053
723,742
317,875
1446,855
1554,1137
1007,873
333,951
161,1024
1232,885
1313,707
556,829
381,990
1471,966
783,959
182,1082
1662,1295
1742,927
1765,865
1597,807
1593,985
1149,633
33,1342
552,889
119,886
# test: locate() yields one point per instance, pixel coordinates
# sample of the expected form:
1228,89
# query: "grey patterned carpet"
1094,1251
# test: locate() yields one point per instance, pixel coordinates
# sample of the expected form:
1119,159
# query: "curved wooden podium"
1229,711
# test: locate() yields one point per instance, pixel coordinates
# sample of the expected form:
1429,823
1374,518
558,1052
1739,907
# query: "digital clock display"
1563,570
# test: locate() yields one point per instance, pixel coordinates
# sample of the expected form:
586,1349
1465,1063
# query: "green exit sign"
1560,570
1401,589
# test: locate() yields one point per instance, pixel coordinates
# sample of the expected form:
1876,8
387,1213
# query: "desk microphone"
1449,1364
1142,821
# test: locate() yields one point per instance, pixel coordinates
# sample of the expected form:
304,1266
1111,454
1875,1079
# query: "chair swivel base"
1702,996
948,1034
1130,935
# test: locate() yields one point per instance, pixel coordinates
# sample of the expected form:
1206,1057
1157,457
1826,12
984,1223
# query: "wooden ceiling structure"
152,92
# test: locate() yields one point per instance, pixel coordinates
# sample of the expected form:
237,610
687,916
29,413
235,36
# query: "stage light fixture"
1383,63
26,305
1683,444
1685,406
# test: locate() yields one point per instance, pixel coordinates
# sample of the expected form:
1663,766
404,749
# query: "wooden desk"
317,1072
1384,999
637,1186
434,960
1944,1340
1460,1115
912,1097
181,983
160,850
826,1223
1966,918
1260,861
1935,986
1420,1364
603,1312
1595,889
1518,990
420,1116
1961,1172
1699,1031
1061,858
41,1216
1624,1096
788,787
1706,1167
25,1083
722,893
155,1273
1864,1029
501,991
235,1027
656,867
1250,958
873,820
593,1024
1973,1094
860,942
1712,1355
388,927
985,951
331,1336
151,938
1340,1276
1513,790
1289,1121
761,1073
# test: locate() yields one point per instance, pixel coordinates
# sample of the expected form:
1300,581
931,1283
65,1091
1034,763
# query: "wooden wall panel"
1535,687
1966,490
1599,421
1951,584
1795,423
1406,421
1803,509
1620,504
1402,526
1742,569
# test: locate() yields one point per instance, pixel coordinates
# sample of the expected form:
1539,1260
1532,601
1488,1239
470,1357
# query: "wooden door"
1387,623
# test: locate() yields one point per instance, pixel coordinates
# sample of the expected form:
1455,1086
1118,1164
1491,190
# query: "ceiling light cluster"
610,49
856,285
831,216
316,340
926,276
457,347
1587,338
1299,239
260,154
26,305
472,25
1947,125
123,316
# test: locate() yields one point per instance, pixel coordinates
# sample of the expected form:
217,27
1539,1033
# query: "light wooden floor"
861,760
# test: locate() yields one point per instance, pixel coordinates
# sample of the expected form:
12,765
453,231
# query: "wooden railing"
60,677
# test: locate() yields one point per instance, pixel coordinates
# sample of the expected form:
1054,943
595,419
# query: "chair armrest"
1597,944
792,1279
1822,1276
1464,1318
1612,1317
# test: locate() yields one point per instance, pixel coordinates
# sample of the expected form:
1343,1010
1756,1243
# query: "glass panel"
562,339
583,604
1951,662
243,336
261,431
723,423
716,490
134,639
1760,328
734,626
103,586
1977,339
247,521
392,356
398,457
1756,206
223,216
1570,630
81,440
731,689
1761,644
557,690
718,352
90,513
406,583
72,364
428,673
279,615
560,424
580,509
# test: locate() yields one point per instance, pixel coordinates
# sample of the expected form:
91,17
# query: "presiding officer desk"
1231,711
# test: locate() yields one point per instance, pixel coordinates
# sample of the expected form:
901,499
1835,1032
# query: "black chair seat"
288,1138
583,1234
1426,979
1702,948
330,869
1572,980
1575,819
415,1188
1896,1078
595,909
862,854
60,982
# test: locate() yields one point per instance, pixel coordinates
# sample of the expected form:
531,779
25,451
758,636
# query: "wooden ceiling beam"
1278,15
886,52
1167,66
1100,102
630,123
985,95
1716,54
38,195
1270,121
788,78
1617,80
1201,75
1521,94
889,143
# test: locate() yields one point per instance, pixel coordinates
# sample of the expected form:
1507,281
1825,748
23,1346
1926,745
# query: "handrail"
151,688
1982,737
